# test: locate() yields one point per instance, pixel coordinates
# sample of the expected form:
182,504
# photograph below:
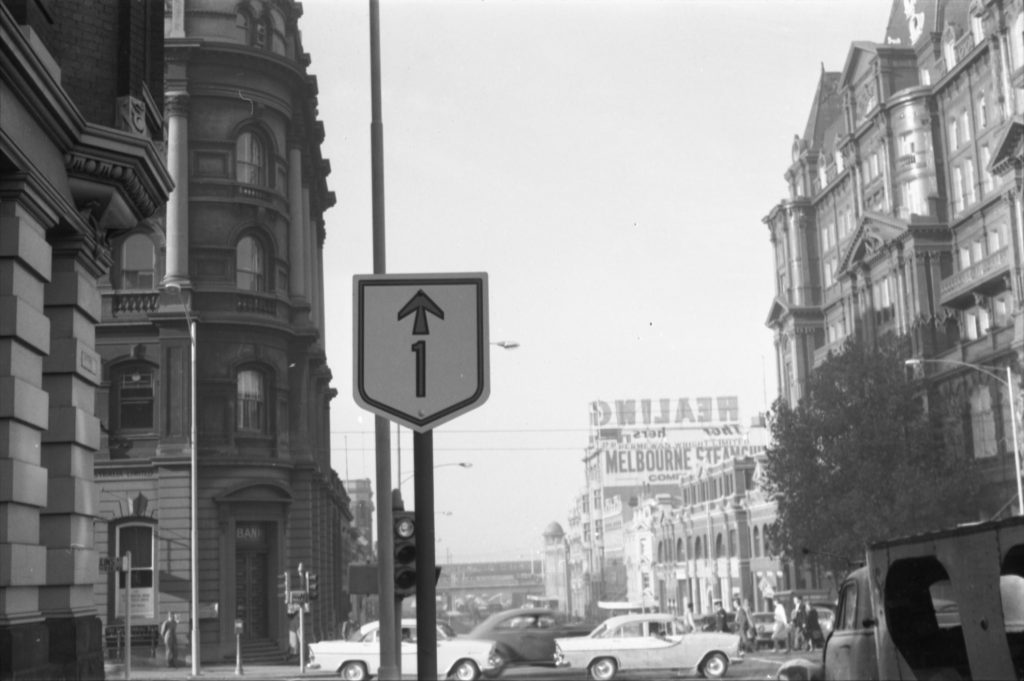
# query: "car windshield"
599,632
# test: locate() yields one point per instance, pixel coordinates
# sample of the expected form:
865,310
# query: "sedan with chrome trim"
358,658
648,642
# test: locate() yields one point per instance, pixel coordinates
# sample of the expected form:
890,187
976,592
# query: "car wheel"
714,666
498,660
603,669
465,670
354,671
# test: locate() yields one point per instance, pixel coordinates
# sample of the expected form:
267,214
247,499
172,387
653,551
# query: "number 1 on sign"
420,349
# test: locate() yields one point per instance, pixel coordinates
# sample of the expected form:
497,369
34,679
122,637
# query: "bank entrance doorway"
251,575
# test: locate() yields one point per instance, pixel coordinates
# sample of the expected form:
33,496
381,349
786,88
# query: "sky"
608,164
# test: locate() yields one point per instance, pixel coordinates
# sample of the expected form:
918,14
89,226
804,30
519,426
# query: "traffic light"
405,553
284,585
312,587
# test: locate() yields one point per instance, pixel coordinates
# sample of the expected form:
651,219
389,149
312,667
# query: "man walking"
743,625
169,634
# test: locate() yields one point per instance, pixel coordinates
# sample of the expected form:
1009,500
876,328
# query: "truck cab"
942,605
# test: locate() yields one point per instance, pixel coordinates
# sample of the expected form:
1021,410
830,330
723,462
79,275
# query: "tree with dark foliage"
858,459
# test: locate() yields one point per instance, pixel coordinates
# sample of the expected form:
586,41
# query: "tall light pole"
1013,411
193,479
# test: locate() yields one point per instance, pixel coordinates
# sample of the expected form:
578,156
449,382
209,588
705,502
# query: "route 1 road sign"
421,349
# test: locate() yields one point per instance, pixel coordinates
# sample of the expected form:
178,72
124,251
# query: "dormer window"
949,47
138,263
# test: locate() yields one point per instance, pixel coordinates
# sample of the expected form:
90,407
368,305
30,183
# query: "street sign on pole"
421,349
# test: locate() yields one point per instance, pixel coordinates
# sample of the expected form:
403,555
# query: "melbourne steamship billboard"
656,442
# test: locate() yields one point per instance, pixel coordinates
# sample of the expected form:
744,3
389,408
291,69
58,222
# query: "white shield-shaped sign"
421,346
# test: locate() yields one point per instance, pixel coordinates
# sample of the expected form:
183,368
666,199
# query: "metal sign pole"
127,568
426,589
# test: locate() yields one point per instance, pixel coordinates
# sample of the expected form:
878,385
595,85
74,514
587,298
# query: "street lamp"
461,464
193,478
1013,410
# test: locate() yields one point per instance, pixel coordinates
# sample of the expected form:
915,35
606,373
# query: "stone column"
310,260
24,342
319,291
297,226
176,110
71,374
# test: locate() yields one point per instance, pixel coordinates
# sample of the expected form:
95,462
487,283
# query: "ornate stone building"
80,164
230,274
903,217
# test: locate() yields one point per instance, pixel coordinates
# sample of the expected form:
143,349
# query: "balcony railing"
964,46
134,303
966,280
256,304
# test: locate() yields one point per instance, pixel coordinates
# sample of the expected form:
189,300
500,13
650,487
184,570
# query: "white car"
653,641
358,657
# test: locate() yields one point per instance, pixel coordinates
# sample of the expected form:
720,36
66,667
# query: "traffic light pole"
426,600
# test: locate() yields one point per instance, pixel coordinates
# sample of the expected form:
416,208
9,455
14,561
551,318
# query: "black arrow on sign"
421,304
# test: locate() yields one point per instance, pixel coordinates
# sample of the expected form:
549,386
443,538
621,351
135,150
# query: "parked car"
764,624
647,642
526,636
358,658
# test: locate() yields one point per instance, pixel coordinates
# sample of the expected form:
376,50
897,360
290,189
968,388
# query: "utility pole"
390,607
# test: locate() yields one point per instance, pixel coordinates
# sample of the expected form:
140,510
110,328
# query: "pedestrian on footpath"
743,625
691,624
169,633
780,628
799,620
721,622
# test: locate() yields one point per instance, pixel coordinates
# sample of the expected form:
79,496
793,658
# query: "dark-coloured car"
709,622
526,636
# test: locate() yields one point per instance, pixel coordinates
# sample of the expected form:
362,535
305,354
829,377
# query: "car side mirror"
869,622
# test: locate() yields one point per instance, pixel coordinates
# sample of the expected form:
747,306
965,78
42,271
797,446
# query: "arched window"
680,556
250,265
949,48
137,538
757,541
697,553
138,262
719,546
243,23
132,396
251,29
250,159
252,401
